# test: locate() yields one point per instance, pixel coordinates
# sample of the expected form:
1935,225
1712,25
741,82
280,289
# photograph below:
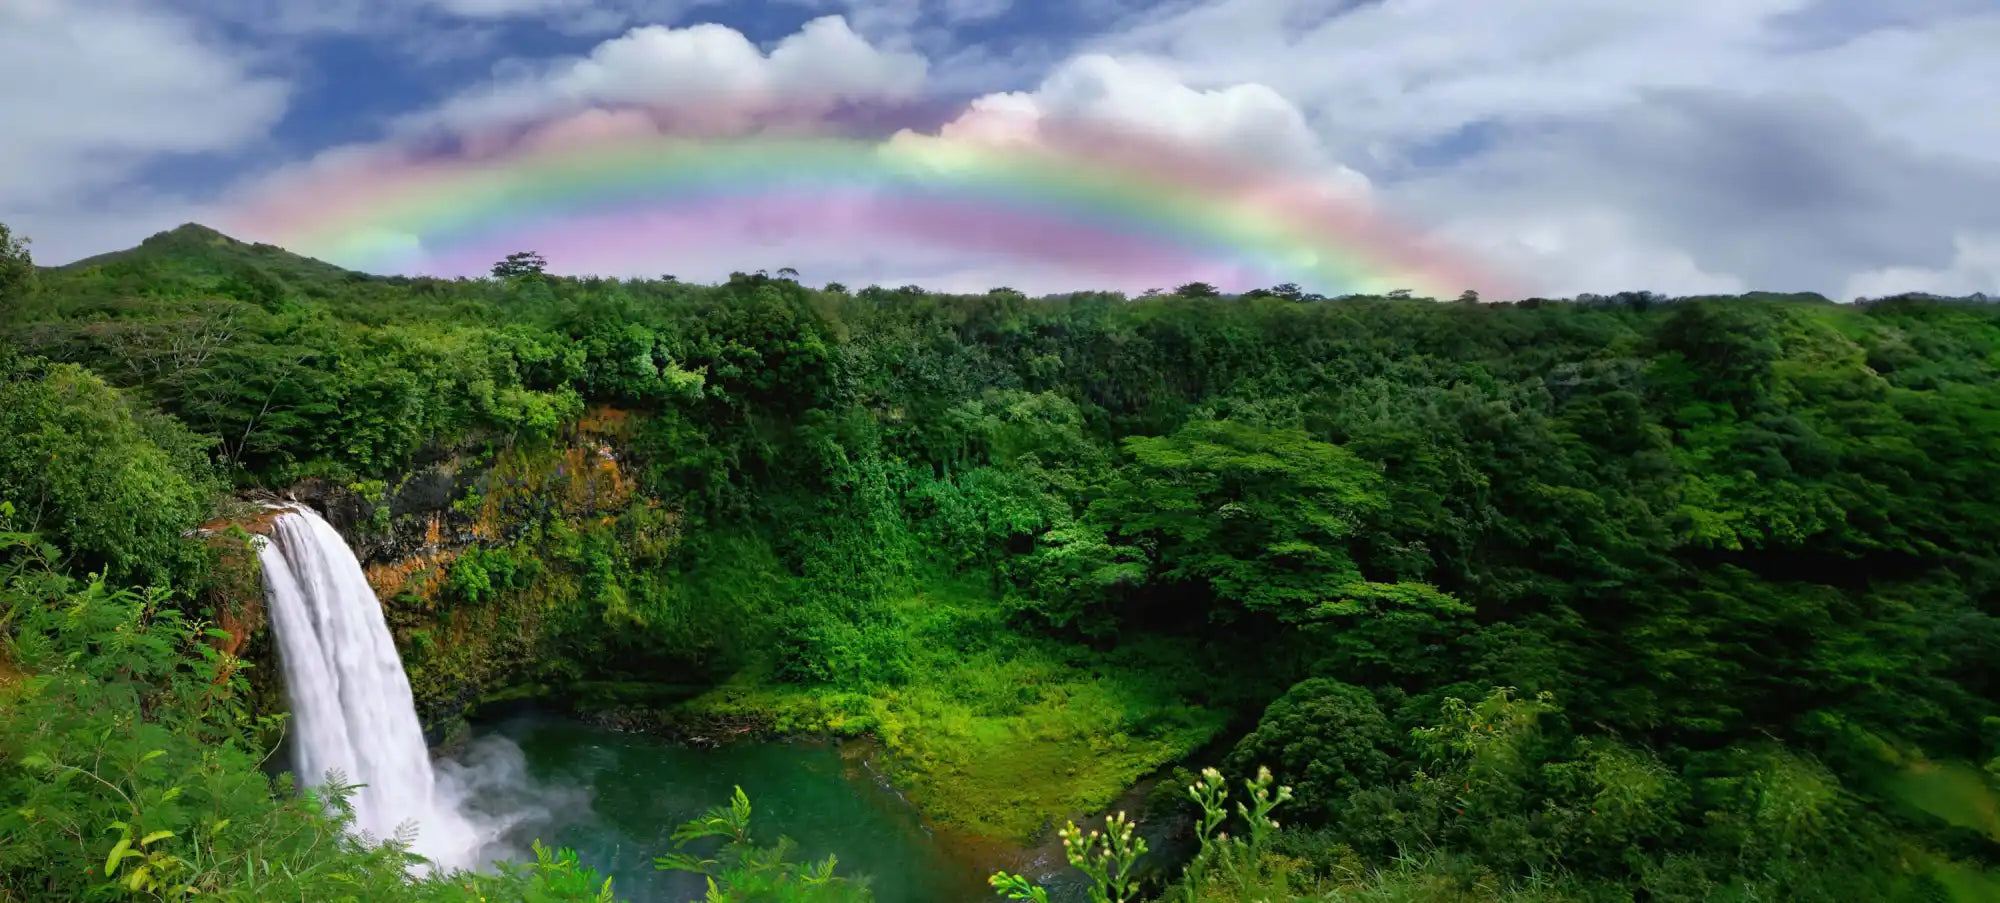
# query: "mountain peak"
195,248
188,234
195,230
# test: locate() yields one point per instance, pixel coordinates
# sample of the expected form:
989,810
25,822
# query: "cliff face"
489,562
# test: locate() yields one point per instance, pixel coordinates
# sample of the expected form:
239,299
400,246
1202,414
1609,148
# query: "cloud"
974,10
1249,121
100,86
1775,143
1778,192
1388,74
911,21
708,66
1243,125
1570,251
402,17
488,9
974,46
1917,83
101,89
1974,268
881,19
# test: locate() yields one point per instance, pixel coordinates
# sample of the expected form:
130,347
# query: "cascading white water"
351,705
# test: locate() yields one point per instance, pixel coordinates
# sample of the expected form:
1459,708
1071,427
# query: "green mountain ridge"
197,249
192,249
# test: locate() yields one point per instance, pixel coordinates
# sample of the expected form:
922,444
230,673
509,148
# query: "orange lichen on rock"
422,575
258,523
604,421
234,592
239,623
580,481
595,481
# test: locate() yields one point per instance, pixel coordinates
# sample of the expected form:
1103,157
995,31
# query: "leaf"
682,862
118,852
156,835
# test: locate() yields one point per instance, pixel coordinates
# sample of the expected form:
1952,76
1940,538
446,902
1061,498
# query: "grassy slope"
995,733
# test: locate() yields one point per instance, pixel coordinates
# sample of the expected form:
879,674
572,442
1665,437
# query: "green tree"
1261,516
118,483
1392,633
520,263
17,266
1289,291
1326,739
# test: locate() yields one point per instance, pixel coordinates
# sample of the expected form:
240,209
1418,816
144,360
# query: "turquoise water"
616,799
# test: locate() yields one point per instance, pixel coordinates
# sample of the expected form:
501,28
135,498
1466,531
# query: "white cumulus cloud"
1974,269
414,22
1241,125
1776,143
700,66
1248,120
1568,252
98,90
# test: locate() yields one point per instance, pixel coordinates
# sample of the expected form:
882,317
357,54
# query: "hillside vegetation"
1625,598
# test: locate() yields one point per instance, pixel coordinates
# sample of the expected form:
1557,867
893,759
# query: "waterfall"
351,705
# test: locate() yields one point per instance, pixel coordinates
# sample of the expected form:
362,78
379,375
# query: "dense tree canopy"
1607,598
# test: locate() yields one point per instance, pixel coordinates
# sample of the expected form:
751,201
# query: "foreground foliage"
125,769
127,772
742,871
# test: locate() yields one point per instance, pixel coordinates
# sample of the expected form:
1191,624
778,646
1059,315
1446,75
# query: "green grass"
1967,884
995,733
1955,792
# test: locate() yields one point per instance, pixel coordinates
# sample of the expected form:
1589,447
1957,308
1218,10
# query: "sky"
1848,147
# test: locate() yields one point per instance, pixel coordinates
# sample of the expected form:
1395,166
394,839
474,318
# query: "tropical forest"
764,590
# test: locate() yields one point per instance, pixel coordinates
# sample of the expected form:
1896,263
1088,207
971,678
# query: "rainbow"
1083,200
